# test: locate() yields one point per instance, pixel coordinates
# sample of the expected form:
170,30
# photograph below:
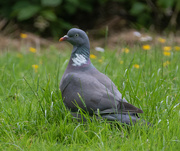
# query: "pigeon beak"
63,38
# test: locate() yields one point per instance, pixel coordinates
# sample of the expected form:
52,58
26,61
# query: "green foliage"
52,3
26,12
166,3
52,17
45,15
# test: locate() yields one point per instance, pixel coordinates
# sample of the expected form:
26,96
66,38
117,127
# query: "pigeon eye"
76,35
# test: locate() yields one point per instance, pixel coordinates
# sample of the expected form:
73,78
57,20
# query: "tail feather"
129,119
123,118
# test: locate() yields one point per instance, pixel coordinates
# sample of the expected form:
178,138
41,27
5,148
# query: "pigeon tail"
123,118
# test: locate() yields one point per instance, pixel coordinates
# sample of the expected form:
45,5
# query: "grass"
33,117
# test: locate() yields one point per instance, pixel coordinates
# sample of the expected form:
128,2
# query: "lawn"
33,117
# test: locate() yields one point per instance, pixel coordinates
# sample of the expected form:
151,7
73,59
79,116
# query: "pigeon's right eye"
76,35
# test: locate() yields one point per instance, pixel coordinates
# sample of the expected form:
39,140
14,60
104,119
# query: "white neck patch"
79,60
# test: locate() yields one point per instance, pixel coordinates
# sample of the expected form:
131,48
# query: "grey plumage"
83,85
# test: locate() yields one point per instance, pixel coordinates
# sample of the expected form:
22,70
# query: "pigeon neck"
80,56
83,50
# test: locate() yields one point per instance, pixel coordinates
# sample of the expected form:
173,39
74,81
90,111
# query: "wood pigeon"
84,86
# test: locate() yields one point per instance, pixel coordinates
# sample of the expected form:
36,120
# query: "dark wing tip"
140,111
131,108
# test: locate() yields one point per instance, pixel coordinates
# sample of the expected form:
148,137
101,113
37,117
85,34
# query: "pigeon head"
81,48
76,37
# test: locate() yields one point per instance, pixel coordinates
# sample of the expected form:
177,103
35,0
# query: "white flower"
137,34
146,38
99,49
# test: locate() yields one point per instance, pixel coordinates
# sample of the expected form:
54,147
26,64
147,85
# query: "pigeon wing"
91,95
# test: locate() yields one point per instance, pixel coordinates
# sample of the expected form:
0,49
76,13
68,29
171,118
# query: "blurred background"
53,18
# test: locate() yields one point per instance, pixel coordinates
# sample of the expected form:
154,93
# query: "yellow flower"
126,50
19,55
167,53
92,56
167,48
35,67
136,66
33,50
146,47
177,48
166,63
121,62
161,40
22,35
100,60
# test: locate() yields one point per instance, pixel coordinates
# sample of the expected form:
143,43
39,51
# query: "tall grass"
33,116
